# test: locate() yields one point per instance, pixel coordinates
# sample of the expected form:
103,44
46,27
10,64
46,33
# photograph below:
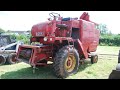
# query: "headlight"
45,39
50,39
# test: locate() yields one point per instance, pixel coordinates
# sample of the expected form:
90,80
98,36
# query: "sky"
24,20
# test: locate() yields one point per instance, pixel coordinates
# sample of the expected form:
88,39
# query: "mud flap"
115,74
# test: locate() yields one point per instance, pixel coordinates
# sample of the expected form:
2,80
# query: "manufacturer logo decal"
39,33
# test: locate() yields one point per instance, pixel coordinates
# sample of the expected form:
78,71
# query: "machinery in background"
115,74
8,49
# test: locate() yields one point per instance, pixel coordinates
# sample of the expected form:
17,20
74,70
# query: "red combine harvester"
64,41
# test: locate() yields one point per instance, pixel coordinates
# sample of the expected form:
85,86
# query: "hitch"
34,67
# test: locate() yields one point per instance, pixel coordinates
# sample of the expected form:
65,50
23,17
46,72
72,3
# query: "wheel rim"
70,63
95,59
13,59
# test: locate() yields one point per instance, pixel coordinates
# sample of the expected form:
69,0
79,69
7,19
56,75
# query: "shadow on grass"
40,73
86,64
27,73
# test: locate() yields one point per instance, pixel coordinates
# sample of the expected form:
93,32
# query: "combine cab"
64,41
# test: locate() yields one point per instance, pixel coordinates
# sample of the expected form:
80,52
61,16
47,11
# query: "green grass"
100,70
108,50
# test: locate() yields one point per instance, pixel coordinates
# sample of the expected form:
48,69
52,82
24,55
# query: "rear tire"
2,60
66,62
12,59
94,59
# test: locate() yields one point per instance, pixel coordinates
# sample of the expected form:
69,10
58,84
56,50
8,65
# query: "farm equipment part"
8,49
115,74
66,42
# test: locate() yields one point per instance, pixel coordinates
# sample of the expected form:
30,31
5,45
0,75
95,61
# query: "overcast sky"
24,20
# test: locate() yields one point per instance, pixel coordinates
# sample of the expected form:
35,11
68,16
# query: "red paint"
59,32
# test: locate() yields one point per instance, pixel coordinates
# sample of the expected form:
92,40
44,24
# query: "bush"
1,30
110,40
21,37
24,38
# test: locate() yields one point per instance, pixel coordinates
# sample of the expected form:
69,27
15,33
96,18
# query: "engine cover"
42,29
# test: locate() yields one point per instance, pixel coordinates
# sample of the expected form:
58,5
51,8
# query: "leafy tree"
103,29
1,30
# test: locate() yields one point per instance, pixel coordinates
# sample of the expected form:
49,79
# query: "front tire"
2,60
66,62
12,58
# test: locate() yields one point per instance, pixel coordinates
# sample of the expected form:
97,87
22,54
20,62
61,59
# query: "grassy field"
100,70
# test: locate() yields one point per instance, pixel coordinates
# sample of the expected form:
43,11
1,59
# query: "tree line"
107,37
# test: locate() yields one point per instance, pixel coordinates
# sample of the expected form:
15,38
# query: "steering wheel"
54,14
